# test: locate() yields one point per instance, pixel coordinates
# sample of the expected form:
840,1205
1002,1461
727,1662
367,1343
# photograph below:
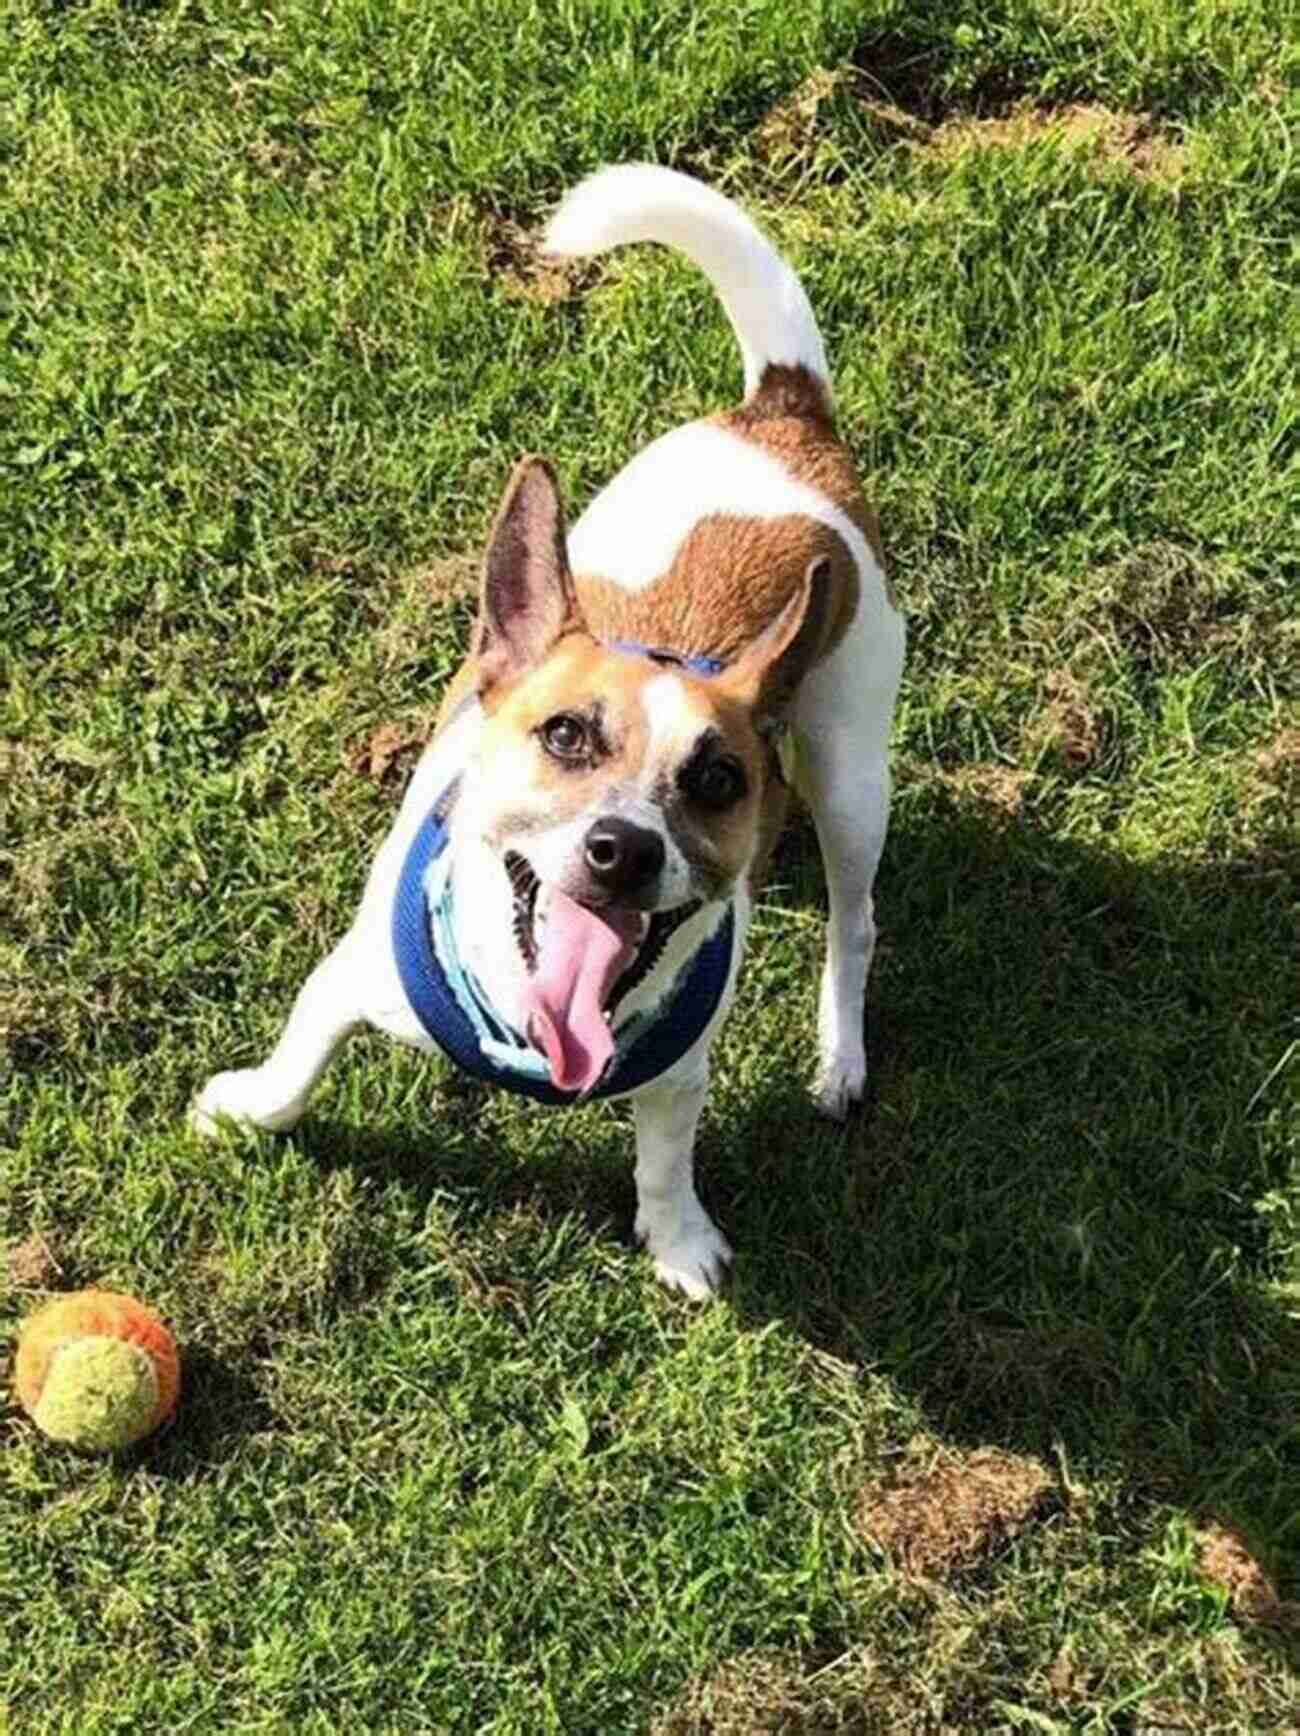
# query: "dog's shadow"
1056,1221
1049,1223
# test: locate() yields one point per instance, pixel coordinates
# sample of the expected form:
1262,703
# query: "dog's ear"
766,675
528,600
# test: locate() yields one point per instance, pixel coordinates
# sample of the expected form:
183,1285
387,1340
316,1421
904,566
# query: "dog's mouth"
581,964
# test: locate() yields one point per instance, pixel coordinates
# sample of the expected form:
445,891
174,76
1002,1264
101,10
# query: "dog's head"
611,797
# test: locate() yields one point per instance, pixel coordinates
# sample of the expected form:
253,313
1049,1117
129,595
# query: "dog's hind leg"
841,724
274,1095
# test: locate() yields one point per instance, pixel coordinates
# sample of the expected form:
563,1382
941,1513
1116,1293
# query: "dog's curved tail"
764,300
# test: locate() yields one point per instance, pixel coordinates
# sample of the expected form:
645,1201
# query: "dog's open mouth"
581,964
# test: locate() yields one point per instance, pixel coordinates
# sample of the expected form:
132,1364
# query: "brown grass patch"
513,258
453,579
388,753
766,1692
1171,607
757,1691
955,1510
999,789
789,129
423,596
31,1263
1279,762
1067,725
1130,141
894,99
1225,1558
1040,1365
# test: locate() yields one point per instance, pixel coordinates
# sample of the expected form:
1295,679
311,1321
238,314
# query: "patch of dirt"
956,1510
1067,1679
1225,1559
1279,762
99,845
388,753
1067,724
32,1264
897,87
912,74
453,579
998,788
513,258
757,1691
998,1358
1170,607
1130,141
789,129
450,583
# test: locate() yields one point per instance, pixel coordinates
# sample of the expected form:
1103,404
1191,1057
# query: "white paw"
840,1084
691,1257
243,1098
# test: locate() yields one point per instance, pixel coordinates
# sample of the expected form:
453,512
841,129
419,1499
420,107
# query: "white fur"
765,301
840,736
674,722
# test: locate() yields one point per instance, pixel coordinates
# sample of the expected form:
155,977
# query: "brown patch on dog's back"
809,450
729,580
784,392
789,415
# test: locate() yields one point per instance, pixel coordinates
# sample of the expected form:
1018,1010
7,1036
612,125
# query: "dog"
562,902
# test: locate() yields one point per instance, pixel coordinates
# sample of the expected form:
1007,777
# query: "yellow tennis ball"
97,1370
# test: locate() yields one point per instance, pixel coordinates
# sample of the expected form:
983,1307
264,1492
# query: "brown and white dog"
606,810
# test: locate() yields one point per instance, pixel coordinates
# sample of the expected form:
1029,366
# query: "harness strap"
695,662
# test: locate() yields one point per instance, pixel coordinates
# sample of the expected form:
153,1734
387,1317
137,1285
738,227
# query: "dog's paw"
839,1085
241,1098
692,1257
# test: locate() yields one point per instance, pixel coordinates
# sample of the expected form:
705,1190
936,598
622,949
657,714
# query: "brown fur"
789,415
786,391
731,578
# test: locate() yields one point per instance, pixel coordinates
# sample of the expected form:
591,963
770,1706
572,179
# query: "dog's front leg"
688,1249
274,1095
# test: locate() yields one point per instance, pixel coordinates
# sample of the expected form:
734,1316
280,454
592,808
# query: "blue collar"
454,1011
694,663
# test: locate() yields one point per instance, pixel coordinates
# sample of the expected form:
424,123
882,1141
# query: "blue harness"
453,1009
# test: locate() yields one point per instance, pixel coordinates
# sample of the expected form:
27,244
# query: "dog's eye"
565,737
715,783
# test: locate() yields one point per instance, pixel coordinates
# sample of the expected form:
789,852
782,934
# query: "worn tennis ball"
97,1370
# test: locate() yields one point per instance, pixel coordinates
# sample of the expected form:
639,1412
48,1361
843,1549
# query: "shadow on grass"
222,1407
1058,1220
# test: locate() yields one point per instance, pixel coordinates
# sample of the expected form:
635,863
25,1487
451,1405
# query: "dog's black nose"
622,858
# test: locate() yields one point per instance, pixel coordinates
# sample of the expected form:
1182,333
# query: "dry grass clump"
1225,1558
955,1510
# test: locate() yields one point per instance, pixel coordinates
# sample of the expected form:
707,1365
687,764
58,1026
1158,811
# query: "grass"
448,1459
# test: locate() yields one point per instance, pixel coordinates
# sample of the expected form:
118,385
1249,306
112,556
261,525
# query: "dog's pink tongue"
579,954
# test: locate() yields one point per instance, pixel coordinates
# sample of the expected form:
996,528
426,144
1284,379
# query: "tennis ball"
97,1370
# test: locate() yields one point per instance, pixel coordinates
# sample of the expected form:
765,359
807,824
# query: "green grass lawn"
448,1458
